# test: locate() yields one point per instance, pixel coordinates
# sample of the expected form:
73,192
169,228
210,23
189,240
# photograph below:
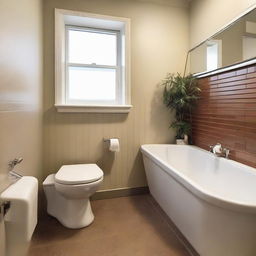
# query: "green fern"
180,94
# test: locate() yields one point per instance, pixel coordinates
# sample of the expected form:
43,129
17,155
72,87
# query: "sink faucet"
219,151
12,164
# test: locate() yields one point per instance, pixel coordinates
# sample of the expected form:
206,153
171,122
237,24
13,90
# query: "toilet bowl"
68,193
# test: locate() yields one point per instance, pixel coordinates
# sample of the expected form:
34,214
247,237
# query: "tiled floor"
127,226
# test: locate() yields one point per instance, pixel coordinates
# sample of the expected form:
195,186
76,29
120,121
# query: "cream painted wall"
159,42
20,90
198,59
208,16
20,86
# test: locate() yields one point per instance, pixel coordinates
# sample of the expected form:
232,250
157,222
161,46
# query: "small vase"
180,142
186,139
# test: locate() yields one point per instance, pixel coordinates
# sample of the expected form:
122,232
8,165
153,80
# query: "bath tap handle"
217,149
226,152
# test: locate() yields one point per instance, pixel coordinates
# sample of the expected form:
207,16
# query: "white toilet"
68,193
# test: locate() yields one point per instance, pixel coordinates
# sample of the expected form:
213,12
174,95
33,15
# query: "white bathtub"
211,200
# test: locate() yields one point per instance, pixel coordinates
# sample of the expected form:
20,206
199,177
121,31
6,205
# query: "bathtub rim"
193,186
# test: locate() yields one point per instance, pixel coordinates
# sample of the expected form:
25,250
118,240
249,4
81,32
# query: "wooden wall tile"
226,113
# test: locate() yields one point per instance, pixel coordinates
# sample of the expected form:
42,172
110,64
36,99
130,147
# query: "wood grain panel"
226,113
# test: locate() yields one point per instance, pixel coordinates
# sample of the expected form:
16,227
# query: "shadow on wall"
158,114
20,119
138,166
51,116
161,115
107,160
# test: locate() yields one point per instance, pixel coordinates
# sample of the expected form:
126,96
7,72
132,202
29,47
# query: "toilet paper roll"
114,145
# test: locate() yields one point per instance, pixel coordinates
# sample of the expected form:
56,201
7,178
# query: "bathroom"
123,145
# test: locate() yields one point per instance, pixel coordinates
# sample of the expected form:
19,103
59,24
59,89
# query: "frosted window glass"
249,47
212,57
92,47
92,84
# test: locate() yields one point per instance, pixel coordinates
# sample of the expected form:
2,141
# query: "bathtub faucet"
219,151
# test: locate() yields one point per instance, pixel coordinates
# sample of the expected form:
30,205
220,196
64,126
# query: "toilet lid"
78,173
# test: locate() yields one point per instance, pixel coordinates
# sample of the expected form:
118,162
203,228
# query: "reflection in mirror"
213,54
235,44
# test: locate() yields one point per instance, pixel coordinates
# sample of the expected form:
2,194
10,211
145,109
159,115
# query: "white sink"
21,219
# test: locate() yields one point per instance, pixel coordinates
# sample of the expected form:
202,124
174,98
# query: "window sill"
94,109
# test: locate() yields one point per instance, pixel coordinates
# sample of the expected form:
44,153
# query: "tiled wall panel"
226,113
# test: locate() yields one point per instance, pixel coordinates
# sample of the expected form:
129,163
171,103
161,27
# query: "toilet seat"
78,174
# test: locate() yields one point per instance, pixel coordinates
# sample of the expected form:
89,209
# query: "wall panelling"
226,113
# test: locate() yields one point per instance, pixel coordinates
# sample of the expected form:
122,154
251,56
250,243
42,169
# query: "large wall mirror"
232,45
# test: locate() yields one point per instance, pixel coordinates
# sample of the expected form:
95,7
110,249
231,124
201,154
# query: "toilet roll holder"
108,140
115,146
4,207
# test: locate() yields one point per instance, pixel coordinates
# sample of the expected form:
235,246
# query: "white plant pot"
181,142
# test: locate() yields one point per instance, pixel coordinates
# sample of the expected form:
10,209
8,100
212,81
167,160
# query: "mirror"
234,44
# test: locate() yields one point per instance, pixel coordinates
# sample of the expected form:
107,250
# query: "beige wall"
20,90
159,41
208,16
198,59
20,86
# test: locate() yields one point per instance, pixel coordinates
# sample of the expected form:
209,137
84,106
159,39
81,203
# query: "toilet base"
70,204
72,213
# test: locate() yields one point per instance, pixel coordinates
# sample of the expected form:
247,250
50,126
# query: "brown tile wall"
226,113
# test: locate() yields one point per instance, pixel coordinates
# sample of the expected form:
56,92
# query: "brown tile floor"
127,226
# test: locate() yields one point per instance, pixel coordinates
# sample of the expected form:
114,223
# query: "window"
214,54
249,47
93,66
92,63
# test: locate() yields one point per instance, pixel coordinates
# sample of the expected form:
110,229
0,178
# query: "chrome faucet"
12,164
219,151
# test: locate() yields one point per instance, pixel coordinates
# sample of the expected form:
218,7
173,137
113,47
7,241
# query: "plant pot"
181,142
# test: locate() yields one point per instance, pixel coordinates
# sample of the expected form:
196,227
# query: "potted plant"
180,94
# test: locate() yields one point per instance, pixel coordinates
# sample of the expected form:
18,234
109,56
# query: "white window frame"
82,20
